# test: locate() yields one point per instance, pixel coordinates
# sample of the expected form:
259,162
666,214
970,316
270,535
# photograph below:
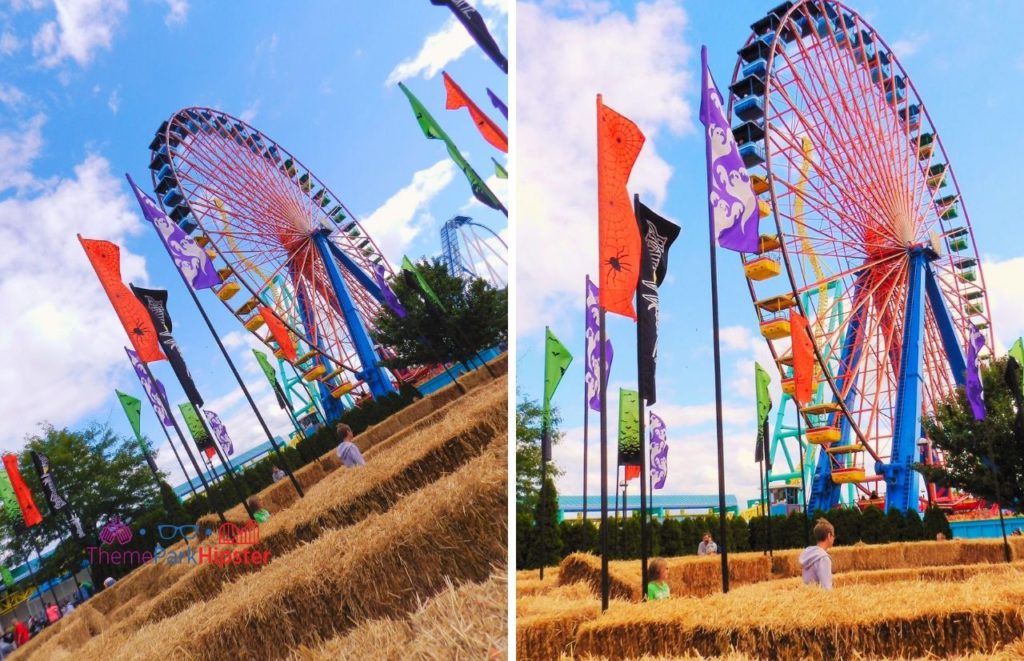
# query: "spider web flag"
656,237
732,203
105,258
279,332
154,389
764,405
456,99
556,360
474,24
659,452
619,142
190,257
974,388
433,131
629,428
593,331
155,300
220,432
803,358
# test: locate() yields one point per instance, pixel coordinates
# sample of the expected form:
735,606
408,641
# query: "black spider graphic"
617,263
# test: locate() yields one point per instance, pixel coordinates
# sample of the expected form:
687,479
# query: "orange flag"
29,511
279,332
106,260
458,99
803,358
618,144
632,472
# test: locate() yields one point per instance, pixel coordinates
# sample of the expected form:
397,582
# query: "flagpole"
586,399
617,466
602,389
803,472
176,455
224,462
1002,521
543,489
181,436
641,400
761,488
39,554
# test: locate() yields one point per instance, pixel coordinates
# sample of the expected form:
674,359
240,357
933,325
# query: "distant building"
571,507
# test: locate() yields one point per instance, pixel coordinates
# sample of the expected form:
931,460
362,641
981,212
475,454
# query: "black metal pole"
718,409
245,390
586,425
999,494
230,473
177,456
768,507
184,444
39,554
644,531
543,491
617,484
761,488
602,389
803,474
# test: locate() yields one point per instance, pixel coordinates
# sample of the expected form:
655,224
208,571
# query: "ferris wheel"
283,241
871,242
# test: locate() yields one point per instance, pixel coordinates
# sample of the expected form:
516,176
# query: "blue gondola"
752,154
747,86
756,68
188,224
173,198
160,158
755,50
179,212
750,108
748,132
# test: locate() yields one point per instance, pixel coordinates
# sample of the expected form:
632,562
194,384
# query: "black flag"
656,237
474,24
42,466
155,301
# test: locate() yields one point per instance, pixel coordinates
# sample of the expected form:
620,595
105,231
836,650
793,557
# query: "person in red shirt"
52,613
20,633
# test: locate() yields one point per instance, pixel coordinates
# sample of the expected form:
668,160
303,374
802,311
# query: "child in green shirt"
657,586
259,513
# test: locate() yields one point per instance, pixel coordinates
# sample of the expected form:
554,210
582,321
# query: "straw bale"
468,622
894,619
527,574
586,568
546,626
454,529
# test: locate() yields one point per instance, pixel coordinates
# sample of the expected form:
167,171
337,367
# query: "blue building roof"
573,504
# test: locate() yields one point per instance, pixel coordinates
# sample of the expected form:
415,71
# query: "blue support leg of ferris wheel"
900,480
373,374
333,408
950,343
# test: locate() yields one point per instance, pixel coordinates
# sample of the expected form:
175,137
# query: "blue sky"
83,88
645,58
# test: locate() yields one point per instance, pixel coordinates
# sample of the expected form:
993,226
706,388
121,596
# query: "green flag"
556,360
12,510
265,365
764,405
132,409
432,130
1017,351
7,576
499,171
629,427
424,287
195,426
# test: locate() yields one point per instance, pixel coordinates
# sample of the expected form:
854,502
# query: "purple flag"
975,389
732,205
220,432
188,256
594,351
154,389
659,452
498,103
386,292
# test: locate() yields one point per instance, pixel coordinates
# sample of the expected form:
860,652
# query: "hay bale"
898,619
546,626
586,568
453,529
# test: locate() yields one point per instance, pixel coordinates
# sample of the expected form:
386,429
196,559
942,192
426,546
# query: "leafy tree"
528,451
98,473
872,526
971,446
475,318
934,523
546,547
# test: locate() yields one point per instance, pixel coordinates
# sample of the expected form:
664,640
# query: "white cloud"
82,27
17,152
1002,280
405,214
250,113
564,61
497,185
177,13
444,46
114,100
909,45
9,43
11,95
61,339
500,6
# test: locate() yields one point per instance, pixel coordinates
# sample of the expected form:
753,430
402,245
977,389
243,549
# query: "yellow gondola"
823,435
314,373
254,323
848,475
775,329
228,290
762,268
343,389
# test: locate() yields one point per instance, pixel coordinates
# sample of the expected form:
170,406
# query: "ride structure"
467,254
283,241
871,243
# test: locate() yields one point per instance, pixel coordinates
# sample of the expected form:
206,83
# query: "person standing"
21,634
52,613
815,560
707,545
657,587
347,451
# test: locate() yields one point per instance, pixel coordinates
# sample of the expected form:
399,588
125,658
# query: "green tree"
546,548
935,521
968,444
475,318
528,451
100,475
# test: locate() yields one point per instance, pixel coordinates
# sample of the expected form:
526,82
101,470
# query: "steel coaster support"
333,409
900,480
826,494
954,351
373,374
